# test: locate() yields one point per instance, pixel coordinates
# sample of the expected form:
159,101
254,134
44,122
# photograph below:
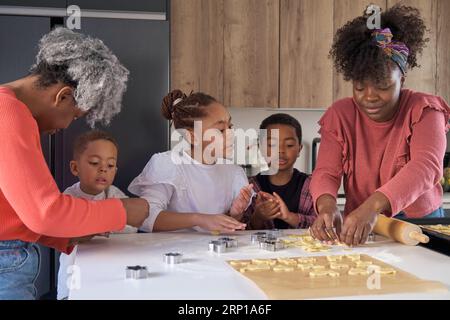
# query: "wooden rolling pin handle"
422,238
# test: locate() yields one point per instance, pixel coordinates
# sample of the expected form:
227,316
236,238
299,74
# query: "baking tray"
438,241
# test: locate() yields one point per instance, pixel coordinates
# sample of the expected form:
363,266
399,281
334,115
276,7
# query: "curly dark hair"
283,118
356,55
81,142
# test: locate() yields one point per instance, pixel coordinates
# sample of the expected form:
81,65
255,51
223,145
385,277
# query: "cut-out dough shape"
353,257
358,272
385,271
264,261
362,264
239,263
334,258
333,274
339,266
318,267
317,249
257,267
306,260
282,268
287,261
318,273
305,266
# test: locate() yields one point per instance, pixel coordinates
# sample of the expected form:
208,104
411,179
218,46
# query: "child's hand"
264,196
266,207
242,200
220,223
284,210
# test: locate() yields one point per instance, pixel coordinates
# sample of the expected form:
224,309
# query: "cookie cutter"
217,246
230,242
173,257
271,245
136,272
275,233
257,237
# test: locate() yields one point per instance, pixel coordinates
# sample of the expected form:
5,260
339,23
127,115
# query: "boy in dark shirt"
283,199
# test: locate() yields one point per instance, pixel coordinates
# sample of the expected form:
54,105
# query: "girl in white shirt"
189,187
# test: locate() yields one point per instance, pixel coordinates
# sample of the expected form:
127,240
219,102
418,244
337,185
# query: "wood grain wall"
274,53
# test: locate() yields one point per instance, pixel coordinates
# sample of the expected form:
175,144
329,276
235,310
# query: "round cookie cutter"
217,246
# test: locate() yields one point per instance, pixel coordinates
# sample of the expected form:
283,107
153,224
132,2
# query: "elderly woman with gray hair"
74,76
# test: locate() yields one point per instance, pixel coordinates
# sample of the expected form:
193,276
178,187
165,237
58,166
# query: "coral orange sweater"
32,208
401,158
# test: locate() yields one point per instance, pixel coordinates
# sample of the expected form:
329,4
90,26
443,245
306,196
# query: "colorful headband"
395,50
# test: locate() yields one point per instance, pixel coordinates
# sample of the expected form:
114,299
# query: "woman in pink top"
74,75
386,142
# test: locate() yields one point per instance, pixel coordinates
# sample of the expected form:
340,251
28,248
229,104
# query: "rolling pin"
401,231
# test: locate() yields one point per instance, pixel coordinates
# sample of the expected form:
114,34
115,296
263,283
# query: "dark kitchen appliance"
138,33
439,242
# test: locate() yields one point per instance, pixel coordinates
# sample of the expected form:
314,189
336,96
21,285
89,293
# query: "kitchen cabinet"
251,53
120,5
196,55
306,73
35,3
104,5
424,77
228,49
275,53
443,50
143,47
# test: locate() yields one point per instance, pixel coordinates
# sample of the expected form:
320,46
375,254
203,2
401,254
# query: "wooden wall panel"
423,78
251,47
271,53
197,46
305,71
443,50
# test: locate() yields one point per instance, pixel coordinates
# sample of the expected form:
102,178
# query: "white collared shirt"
188,186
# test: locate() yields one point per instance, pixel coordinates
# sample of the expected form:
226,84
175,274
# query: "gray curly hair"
88,65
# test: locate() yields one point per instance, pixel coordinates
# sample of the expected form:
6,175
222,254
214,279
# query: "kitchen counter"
204,275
